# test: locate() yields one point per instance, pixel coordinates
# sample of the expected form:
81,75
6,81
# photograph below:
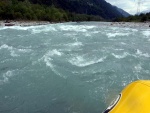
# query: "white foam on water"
95,32
123,43
54,52
24,50
43,28
17,27
47,58
87,34
147,71
77,28
126,29
110,35
140,53
124,83
134,30
4,46
129,29
75,44
33,29
14,51
119,49
138,68
80,61
146,33
6,76
72,28
70,34
114,28
91,81
125,54
10,48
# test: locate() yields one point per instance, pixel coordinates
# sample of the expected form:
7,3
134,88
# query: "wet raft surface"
69,68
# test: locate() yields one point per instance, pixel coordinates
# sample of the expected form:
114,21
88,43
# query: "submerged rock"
9,24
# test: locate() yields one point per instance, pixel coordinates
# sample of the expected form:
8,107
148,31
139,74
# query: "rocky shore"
115,24
23,23
131,24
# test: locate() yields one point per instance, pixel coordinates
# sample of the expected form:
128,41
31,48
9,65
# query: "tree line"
25,10
135,18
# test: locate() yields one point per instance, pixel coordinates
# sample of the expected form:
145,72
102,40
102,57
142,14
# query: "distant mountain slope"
146,11
124,13
90,7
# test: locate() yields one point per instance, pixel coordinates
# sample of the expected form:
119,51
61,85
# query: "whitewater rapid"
69,67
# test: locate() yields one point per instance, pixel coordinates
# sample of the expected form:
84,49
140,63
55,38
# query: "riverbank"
131,24
23,23
35,23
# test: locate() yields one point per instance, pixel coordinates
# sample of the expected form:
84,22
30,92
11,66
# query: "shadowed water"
69,67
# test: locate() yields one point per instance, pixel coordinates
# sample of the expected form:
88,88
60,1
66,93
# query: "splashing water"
69,67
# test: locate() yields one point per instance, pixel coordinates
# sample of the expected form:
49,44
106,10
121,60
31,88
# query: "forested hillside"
58,10
90,7
24,10
124,13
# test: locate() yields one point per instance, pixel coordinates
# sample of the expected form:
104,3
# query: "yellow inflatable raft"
135,98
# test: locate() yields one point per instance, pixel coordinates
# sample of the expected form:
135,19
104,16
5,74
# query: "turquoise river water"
69,67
